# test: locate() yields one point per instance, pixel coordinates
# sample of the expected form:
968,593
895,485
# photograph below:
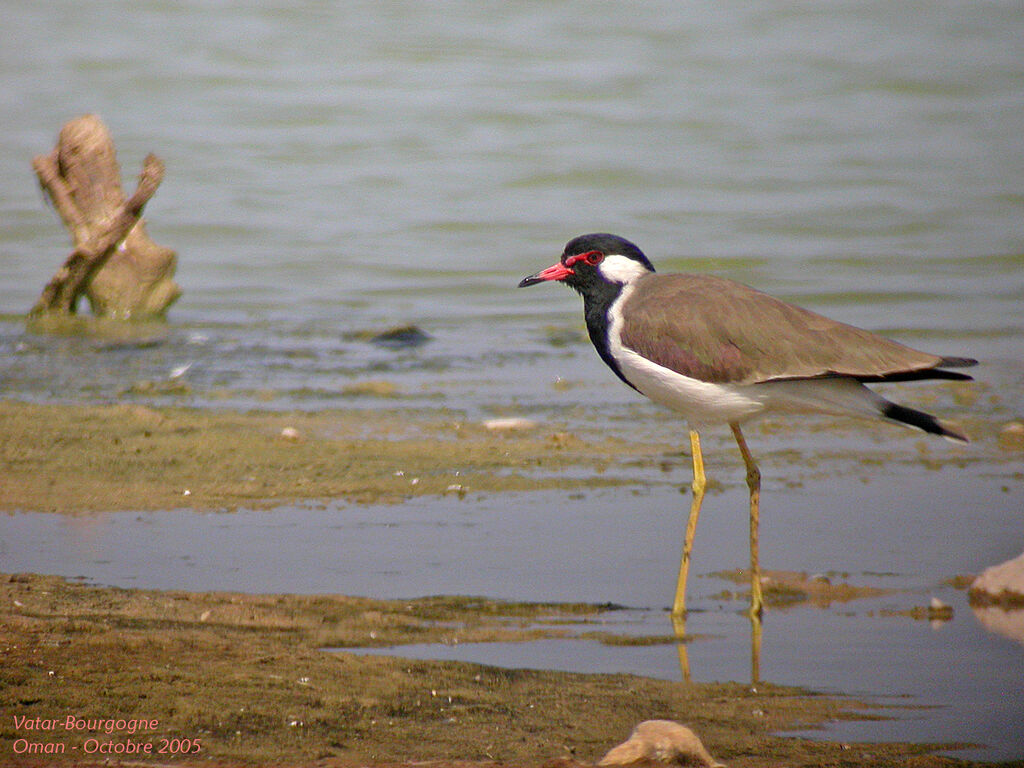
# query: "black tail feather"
931,373
928,373
921,420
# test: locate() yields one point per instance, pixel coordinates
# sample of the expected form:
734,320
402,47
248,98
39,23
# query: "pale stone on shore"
661,741
509,425
1011,436
1001,584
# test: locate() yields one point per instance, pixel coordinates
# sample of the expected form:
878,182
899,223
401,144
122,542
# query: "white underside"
703,403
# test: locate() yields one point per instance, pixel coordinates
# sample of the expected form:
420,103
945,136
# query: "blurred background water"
339,168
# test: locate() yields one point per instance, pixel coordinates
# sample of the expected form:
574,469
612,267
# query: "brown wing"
721,331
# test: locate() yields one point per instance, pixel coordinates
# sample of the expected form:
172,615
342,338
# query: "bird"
719,352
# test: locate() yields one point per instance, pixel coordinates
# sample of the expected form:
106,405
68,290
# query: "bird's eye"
593,258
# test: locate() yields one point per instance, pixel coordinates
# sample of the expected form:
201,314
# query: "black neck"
597,300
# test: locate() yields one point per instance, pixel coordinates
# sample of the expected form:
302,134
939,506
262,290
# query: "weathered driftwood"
114,264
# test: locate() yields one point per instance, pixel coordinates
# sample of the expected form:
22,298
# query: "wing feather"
720,331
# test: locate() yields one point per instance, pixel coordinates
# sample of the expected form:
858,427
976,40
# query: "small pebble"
1011,436
939,611
509,425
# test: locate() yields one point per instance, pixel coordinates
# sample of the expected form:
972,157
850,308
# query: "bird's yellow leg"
679,629
699,485
754,484
755,648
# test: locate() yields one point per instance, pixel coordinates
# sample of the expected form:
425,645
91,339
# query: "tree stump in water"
114,264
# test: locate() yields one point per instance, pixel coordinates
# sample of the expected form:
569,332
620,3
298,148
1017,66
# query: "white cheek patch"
621,269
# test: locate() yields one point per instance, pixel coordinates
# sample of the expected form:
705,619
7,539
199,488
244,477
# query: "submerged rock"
396,337
372,388
661,741
401,336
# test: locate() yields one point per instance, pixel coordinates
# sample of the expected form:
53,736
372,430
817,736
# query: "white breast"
700,402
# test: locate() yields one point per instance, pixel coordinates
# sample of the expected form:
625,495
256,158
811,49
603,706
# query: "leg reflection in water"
679,629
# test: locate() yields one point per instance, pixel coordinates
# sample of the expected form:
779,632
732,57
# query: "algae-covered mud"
133,457
219,678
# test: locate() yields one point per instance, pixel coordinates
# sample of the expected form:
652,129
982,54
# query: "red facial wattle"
561,271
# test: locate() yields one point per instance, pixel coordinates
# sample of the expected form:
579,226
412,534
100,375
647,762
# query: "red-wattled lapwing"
718,351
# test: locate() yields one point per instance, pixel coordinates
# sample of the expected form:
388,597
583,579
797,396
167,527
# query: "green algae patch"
73,458
785,588
244,678
82,458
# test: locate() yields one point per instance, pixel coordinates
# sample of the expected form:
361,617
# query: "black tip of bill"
530,280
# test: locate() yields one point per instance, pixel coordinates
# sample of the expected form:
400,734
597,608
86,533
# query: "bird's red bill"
554,272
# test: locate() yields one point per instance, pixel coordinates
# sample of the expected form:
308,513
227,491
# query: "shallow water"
908,531
334,170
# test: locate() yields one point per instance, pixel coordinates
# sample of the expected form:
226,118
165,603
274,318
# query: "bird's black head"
593,261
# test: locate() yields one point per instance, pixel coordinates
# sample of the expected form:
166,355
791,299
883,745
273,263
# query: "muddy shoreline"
246,677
